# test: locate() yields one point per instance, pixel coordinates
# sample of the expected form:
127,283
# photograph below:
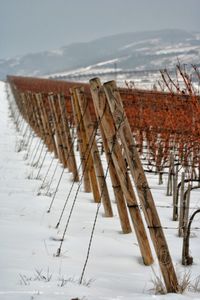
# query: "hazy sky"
35,25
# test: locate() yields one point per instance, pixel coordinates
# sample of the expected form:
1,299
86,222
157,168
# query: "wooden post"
26,112
180,228
144,192
57,134
49,136
69,143
39,117
118,160
59,124
81,145
119,197
46,112
90,131
38,125
89,176
60,143
47,139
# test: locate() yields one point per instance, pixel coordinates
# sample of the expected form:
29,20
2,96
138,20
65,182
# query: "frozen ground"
29,268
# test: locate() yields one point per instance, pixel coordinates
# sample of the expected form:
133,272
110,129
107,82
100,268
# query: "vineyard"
161,122
121,135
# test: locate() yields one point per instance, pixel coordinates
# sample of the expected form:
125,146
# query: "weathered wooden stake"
46,136
90,130
59,124
69,143
118,160
38,125
144,192
60,143
48,121
56,130
81,144
119,196
89,176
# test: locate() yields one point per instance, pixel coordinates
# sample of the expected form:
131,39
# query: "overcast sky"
35,25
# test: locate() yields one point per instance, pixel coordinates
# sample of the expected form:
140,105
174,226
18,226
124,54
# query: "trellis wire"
89,147
72,145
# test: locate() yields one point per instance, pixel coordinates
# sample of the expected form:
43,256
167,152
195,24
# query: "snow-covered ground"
29,268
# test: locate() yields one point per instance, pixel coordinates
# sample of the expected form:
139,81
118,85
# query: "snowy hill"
129,51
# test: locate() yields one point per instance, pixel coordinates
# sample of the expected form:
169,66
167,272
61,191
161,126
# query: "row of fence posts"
46,114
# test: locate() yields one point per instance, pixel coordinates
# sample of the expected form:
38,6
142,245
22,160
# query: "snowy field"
29,268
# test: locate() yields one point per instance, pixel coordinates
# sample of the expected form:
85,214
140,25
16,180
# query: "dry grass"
195,286
158,285
184,280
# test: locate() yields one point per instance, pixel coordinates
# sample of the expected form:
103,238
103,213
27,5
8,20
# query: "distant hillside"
138,51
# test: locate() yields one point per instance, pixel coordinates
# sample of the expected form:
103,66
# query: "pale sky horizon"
33,26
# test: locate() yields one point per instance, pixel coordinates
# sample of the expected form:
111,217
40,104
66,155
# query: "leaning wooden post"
39,127
46,133
81,143
70,144
28,108
48,122
90,130
63,140
123,176
89,176
119,196
60,143
26,113
144,192
39,117
57,134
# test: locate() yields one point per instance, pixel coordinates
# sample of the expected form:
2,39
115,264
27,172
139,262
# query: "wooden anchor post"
90,131
59,137
47,117
89,176
57,133
47,139
59,124
69,143
144,192
119,196
110,131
